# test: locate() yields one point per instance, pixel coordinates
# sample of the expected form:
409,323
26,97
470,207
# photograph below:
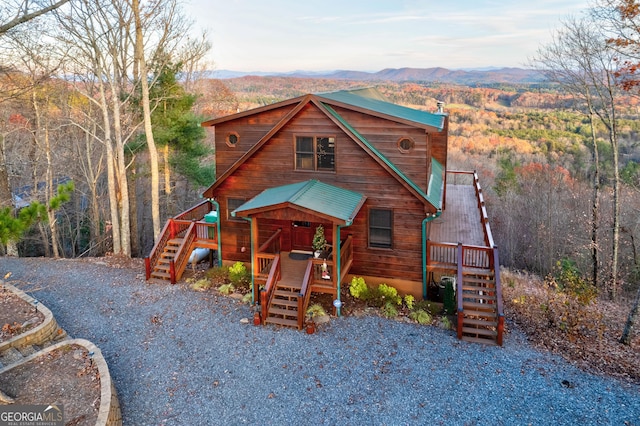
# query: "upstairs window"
315,153
380,228
232,204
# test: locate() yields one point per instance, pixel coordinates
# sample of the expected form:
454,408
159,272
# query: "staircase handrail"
196,212
499,303
459,292
266,294
156,251
272,245
182,255
305,294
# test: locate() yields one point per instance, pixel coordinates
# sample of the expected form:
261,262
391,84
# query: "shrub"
445,323
569,281
390,310
409,300
218,275
359,289
202,284
226,289
421,316
239,276
389,294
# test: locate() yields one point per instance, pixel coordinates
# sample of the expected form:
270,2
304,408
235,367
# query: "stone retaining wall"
109,413
44,332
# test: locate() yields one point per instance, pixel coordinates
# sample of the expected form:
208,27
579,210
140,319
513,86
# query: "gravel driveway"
179,357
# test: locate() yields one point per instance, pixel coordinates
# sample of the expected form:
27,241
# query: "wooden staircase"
162,269
283,306
480,319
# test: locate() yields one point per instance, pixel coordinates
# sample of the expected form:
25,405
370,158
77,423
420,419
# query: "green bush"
421,316
389,294
390,309
409,300
226,289
359,289
239,276
569,281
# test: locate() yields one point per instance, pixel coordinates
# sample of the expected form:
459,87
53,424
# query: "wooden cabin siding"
273,165
384,136
249,129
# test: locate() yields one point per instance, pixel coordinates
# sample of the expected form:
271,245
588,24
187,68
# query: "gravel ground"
179,357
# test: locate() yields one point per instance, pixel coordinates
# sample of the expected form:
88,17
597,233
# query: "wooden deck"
461,221
292,270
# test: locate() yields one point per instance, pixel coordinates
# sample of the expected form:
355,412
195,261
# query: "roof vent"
440,106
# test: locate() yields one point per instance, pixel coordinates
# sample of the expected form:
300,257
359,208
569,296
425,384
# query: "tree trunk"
595,206
613,290
146,108
631,321
6,199
133,209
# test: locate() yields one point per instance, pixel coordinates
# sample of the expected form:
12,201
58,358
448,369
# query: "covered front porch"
287,217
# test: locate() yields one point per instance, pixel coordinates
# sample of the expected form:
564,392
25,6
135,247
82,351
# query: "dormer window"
315,153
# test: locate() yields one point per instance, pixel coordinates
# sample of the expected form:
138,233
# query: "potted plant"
314,311
319,241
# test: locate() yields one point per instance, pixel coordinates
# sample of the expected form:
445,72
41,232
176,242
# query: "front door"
302,235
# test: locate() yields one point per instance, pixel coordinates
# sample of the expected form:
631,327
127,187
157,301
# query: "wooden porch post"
254,255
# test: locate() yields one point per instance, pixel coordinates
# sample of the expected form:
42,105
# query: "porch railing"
179,262
264,262
305,294
151,260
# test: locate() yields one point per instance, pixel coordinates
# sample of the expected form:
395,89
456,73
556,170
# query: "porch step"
289,295
480,322
284,312
480,331
284,302
281,321
491,342
486,307
161,275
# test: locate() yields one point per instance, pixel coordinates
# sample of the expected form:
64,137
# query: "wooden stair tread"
284,302
481,322
478,306
281,321
477,280
482,314
289,287
283,312
479,340
480,331
175,241
468,287
284,293
477,271
161,275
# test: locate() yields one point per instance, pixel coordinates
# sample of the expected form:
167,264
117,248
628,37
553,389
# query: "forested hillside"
532,146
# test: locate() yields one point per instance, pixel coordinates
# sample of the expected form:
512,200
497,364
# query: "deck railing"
267,293
500,307
151,260
182,255
196,212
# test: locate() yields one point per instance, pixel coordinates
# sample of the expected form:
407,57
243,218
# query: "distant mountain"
442,75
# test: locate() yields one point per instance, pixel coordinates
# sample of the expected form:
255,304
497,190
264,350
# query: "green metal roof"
313,195
434,197
372,100
436,183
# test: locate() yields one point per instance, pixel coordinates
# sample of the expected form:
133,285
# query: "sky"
371,35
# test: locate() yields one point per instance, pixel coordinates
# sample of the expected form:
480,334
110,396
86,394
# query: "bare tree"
20,11
580,60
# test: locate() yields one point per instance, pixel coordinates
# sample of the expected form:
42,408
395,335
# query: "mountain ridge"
434,74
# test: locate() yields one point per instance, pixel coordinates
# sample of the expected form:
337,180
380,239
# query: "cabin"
372,177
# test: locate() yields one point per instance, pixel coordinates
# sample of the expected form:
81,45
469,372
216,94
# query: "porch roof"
312,195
